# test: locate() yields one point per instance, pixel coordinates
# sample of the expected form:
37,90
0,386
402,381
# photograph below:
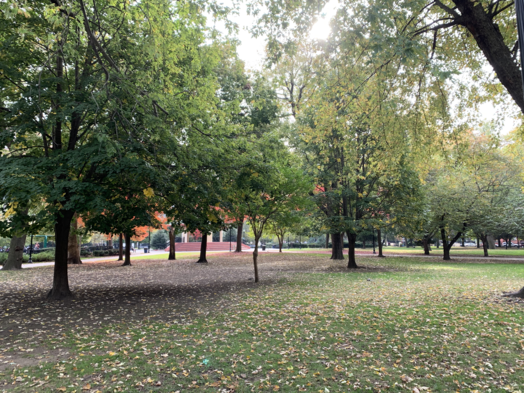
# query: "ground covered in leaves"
399,324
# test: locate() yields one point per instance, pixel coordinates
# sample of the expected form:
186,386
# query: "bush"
41,257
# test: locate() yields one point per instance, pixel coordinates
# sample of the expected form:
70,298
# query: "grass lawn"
399,324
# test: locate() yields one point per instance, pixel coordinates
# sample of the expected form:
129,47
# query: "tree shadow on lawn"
107,293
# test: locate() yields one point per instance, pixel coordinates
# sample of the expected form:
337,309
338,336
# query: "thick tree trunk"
239,237
255,258
484,239
352,261
172,253
327,240
60,288
16,253
379,239
500,243
337,246
127,260
73,248
425,242
120,248
445,244
475,19
203,249
478,242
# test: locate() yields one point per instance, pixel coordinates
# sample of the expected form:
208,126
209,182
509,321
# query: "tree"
94,92
270,184
159,240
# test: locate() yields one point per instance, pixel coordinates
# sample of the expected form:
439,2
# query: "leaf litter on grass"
171,326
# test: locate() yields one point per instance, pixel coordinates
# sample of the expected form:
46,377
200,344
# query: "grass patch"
437,327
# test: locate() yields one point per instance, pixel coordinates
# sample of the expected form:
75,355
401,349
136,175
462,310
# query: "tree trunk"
363,243
120,248
203,249
489,39
445,244
327,240
379,240
110,242
500,243
73,248
337,246
239,237
425,242
127,260
255,257
478,242
484,239
60,288
352,261
280,242
16,253
172,253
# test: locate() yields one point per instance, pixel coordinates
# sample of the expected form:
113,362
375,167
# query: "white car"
470,244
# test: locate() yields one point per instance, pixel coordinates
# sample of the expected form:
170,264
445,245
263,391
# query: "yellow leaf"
87,387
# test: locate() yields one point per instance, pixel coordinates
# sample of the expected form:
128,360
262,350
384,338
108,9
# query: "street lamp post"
374,241
31,251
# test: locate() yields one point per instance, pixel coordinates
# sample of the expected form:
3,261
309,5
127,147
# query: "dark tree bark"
203,249
337,246
327,240
379,240
478,242
364,243
484,239
447,246
127,260
352,261
172,253
500,243
239,237
425,242
110,242
120,248
519,294
73,248
60,288
16,253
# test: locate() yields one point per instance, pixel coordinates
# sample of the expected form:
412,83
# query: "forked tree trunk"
60,288
337,246
203,249
127,260
73,248
379,239
352,261
239,237
120,248
172,253
16,253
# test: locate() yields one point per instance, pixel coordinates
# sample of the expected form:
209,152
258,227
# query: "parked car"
470,244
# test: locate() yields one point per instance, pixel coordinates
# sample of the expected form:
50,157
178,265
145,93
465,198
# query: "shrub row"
40,257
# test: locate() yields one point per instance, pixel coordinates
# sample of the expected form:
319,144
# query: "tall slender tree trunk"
337,246
255,258
110,242
363,243
73,248
478,242
203,249
120,248
16,253
127,259
379,239
280,242
327,240
239,236
485,244
60,288
172,253
352,261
